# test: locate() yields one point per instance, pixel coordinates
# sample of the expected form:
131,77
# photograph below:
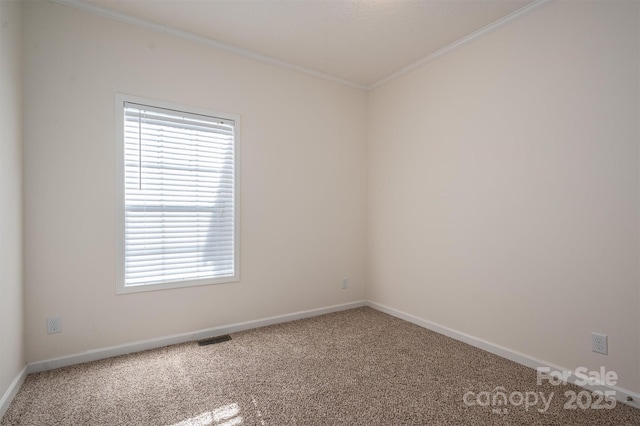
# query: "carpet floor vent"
213,340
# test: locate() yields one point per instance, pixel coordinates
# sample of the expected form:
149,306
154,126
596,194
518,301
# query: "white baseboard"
14,387
102,353
621,394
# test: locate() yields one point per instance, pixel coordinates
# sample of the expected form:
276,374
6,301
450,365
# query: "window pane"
179,196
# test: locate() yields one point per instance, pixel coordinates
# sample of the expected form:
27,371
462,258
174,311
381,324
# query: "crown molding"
163,29
186,35
518,14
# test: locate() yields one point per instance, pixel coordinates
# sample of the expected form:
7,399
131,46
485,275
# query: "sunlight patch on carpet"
226,415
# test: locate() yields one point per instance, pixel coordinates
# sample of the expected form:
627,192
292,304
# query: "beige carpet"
358,367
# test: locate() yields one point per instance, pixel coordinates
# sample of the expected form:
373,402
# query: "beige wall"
302,182
504,192
12,357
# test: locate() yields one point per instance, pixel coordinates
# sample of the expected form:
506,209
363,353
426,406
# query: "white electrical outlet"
599,343
54,325
345,283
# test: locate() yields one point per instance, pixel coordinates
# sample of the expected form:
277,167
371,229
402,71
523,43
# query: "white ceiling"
358,41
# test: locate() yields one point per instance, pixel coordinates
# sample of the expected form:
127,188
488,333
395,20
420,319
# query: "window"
177,196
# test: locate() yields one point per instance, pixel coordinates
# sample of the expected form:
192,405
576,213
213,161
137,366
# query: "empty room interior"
319,212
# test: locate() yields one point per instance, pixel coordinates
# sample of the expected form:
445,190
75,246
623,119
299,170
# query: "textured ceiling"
360,41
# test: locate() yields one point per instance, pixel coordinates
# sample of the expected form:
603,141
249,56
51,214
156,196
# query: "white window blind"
179,197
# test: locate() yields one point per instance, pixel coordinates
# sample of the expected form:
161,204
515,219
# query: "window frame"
121,287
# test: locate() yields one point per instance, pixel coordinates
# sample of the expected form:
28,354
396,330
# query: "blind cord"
140,151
